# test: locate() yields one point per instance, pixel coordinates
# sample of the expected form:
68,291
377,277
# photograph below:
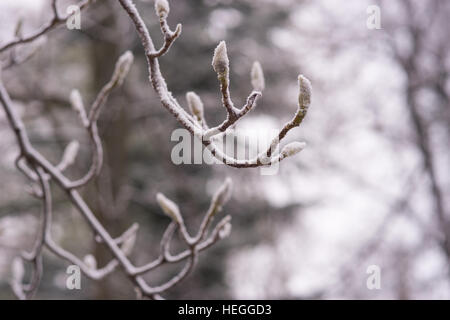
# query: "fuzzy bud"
162,8
220,60
90,261
69,155
169,208
195,105
77,104
122,68
18,270
304,94
225,231
292,149
224,193
128,244
257,77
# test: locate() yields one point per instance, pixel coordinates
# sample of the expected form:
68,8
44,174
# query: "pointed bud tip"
169,207
195,104
69,155
72,150
305,91
128,244
224,193
257,76
76,100
74,94
123,66
220,60
225,230
292,149
90,261
125,60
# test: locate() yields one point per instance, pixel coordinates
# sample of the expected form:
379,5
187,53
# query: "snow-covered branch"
221,65
42,173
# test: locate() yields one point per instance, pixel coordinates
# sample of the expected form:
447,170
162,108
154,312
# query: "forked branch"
195,123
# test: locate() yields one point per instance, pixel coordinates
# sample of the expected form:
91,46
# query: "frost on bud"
224,193
77,104
195,105
128,244
292,149
69,155
162,8
304,94
257,77
18,270
90,261
169,208
220,60
225,231
122,68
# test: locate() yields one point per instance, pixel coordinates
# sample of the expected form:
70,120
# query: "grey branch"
221,67
41,172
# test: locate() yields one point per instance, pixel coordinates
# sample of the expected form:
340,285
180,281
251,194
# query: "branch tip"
220,60
225,231
162,8
195,105
122,68
77,104
128,244
305,91
257,76
90,261
292,149
69,155
169,207
224,193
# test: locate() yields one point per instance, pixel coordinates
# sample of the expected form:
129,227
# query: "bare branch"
220,64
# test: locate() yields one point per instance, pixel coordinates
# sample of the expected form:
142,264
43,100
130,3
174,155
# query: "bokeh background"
371,188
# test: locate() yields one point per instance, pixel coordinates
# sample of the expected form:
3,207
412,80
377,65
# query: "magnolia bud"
220,60
69,155
257,77
195,105
292,149
169,208
225,230
90,261
128,244
18,270
224,193
77,104
162,8
122,68
304,95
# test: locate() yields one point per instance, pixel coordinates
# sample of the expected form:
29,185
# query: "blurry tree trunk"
114,130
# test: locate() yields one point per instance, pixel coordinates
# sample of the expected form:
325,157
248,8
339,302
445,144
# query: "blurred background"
371,188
